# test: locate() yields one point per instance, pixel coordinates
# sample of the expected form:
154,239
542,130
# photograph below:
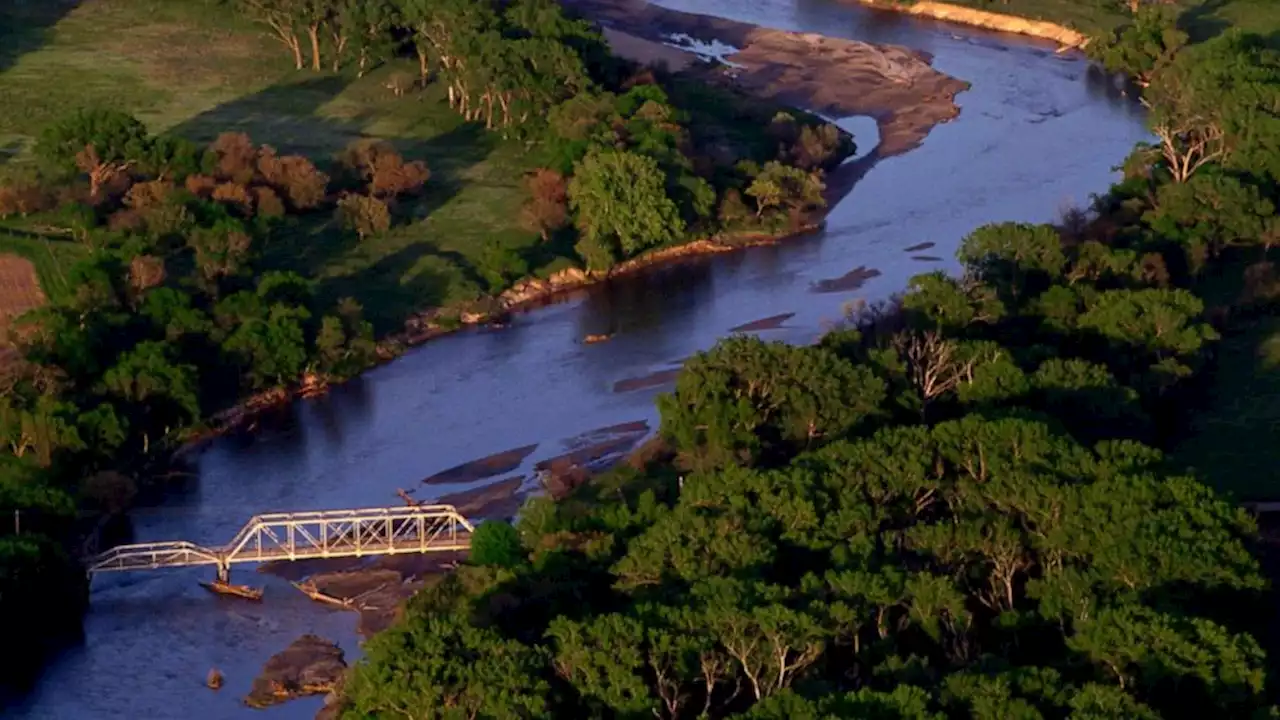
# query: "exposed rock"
773,322
652,380
488,466
851,280
311,665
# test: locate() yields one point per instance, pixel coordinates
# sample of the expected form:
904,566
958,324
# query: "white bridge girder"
304,536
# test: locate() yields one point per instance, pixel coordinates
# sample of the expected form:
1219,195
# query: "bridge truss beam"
304,536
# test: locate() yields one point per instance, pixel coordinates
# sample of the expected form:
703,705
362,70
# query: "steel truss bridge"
304,536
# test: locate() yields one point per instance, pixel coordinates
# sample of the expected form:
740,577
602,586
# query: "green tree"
118,141
621,205
496,543
780,185
746,400
1141,48
157,396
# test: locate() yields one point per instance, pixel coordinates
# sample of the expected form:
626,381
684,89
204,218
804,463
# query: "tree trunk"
364,61
339,47
313,31
423,70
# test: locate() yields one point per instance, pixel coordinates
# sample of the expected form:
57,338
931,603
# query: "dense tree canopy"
942,511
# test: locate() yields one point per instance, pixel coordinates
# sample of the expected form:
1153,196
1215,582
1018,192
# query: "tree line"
511,65
957,504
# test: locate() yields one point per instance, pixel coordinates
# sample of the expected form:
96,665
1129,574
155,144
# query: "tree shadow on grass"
26,25
397,286
288,116
1202,23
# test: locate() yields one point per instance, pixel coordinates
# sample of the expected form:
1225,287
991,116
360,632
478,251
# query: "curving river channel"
1036,132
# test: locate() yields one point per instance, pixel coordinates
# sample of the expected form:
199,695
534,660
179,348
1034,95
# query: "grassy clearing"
50,257
183,67
1233,441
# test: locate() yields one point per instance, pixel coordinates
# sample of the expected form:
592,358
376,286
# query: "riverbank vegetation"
408,155
983,499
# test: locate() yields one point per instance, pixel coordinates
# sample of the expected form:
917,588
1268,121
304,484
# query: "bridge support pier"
224,572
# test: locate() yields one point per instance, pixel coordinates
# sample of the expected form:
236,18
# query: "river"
1035,134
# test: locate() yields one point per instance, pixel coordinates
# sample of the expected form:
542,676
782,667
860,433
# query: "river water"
1036,133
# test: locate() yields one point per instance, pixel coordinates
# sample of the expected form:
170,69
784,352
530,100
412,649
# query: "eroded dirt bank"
973,17
835,77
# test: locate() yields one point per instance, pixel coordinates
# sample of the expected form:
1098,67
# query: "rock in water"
214,680
311,665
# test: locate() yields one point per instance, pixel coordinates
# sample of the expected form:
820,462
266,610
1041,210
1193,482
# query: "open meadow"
191,69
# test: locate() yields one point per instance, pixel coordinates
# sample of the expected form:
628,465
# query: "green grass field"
182,66
51,258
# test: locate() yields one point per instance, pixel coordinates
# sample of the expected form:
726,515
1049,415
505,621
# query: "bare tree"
102,174
281,17
1189,144
934,366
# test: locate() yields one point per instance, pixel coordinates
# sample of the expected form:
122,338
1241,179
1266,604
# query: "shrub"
202,186
497,544
294,178
815,148
547,209
157,207
235,195
145,272
733,209
267,203
383,171
363,214
236,157
24,198
500,266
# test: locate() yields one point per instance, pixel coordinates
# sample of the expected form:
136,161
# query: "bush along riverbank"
975,501
197,281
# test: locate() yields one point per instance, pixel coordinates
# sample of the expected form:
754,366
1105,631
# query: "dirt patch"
851,280
375,588
773,322
311,665
644,382
19,292
486,467
648,52
835,77
919,246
